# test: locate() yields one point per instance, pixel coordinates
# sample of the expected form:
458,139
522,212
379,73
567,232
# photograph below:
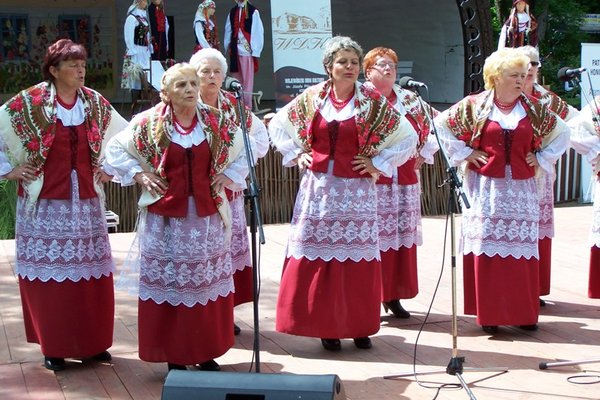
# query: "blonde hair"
176,71
501,60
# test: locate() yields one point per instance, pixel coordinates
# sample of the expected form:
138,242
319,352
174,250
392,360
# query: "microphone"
407,82
566,73
232,84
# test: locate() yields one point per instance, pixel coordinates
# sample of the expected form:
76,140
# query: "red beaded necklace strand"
392,97
184,130
339,104
505,106
64,103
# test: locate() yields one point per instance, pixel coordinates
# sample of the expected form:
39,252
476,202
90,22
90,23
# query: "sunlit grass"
8,206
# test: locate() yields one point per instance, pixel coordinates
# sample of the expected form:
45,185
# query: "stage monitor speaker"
205,385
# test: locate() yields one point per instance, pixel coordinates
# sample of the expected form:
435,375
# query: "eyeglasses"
383,64
534,63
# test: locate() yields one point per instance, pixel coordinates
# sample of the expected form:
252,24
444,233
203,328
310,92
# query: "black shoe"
491,329
210,365
172,366
236,329
363,343
396,309
102,357
331,344
532,327
542,303
54,363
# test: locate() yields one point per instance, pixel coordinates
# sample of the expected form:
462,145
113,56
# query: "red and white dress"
331,281
500,230
63,255
545,183
240,244
185,271
586,141
399,206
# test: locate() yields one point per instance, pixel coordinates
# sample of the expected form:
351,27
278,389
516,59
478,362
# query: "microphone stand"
455,366
251,195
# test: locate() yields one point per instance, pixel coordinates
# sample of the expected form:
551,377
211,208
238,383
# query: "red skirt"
69,319
594,279
242,281
329,299
545,249
399,274
185,335
501,291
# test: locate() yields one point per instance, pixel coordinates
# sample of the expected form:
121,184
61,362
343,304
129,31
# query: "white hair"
209,54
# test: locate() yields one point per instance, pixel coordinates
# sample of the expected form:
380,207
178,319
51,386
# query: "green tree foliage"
559,33
8,203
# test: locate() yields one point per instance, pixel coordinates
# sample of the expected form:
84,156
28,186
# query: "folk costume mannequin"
183,155
502,137
243,41
52,139
545,181
212,69
343,135
586,141
159,30
205,28
520,28
138,46
399,197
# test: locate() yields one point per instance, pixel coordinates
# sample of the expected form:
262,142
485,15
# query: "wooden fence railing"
278,192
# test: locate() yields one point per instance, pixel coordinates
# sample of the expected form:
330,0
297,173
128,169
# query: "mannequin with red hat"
520,28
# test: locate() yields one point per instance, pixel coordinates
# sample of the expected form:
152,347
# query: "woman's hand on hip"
24,172
151,182
221,182
478,158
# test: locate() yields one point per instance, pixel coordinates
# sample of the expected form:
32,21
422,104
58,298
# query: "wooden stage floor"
569,330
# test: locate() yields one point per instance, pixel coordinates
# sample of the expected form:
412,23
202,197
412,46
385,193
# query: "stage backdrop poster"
590,87
300,29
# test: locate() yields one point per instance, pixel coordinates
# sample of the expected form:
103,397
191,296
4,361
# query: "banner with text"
590,88
300,29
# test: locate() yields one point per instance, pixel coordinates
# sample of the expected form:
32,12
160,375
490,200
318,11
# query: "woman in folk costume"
138,48
586,141
52,138
183,154
502,136
159,30
520,28
244,39
399,197
545,181
212,69
343,135
205,28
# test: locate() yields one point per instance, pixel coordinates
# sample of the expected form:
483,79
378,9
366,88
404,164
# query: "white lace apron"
503,218
63,239
184,260
399,215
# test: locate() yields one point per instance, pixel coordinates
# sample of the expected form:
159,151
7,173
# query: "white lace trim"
184,260
334,218
545,186
399,216
240,248
63,239
503,218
